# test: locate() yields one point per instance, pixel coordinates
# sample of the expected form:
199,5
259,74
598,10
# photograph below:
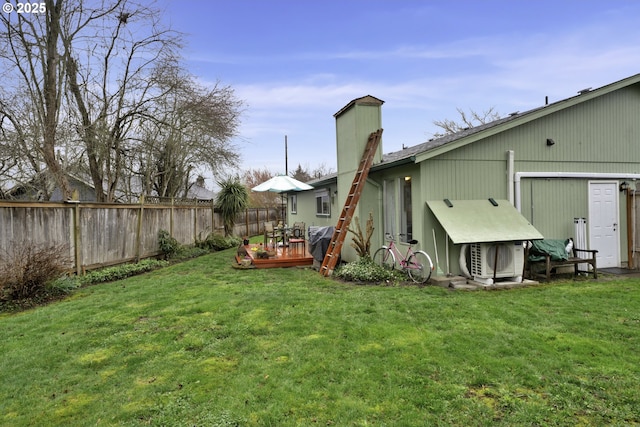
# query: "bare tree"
108,71
263,199
21,161
300,174
305,173
320,171
32,53
466,121
190,128
110,81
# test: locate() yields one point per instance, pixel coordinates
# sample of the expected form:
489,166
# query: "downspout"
380,203
633,239
510,176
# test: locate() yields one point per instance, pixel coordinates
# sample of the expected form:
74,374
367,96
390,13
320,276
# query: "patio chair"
297,236
271,234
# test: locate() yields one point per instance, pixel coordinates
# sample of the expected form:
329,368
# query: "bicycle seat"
413,242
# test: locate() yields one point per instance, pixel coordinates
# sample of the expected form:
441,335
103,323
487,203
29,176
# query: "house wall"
86,193
597,136
354,124
392,175
306,209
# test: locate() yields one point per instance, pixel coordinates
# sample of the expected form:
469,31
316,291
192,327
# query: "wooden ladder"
340,232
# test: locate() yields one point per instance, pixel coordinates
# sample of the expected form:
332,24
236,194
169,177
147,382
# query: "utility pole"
286,157
286,172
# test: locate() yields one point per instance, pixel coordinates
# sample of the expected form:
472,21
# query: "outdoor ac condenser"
510,261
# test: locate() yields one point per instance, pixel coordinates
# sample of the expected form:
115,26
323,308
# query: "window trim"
321,196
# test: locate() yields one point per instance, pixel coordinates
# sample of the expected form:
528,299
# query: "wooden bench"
549,264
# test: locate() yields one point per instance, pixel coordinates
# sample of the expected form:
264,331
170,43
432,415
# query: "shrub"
168,244
361,242
232,199
365,270
118,272
26,269
64,285
218,242
189,252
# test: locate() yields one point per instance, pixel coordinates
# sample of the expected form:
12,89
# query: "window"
389,189
293,199
406,220
323,203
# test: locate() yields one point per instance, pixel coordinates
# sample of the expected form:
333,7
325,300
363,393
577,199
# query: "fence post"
139,230
195,222
171,219
213,216
246,221
77,241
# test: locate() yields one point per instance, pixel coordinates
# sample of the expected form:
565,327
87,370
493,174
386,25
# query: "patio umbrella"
282,184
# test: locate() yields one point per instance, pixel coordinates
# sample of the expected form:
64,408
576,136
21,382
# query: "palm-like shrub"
232,199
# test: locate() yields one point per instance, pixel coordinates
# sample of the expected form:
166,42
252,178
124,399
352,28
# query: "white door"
604,222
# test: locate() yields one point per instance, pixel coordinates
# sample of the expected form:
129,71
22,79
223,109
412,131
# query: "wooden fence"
101,234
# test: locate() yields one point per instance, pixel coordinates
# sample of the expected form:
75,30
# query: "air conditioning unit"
508,264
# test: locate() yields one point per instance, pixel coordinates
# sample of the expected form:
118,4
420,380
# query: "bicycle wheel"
419,267
385,258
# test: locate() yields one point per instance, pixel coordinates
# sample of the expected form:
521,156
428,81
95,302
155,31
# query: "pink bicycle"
417,264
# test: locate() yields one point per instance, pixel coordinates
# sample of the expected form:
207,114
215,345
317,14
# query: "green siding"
594,133
353,127
307,209
552,204
597,136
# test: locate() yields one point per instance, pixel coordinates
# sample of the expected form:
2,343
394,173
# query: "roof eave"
382,166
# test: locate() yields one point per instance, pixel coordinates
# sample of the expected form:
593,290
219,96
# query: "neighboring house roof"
87,190
198,192
30,190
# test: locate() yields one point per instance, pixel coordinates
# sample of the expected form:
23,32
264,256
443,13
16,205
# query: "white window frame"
398,208
323,200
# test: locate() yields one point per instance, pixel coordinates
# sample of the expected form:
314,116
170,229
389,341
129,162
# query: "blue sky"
296,63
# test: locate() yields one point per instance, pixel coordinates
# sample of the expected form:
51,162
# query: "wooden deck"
284,257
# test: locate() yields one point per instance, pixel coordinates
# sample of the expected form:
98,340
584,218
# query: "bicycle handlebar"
391,238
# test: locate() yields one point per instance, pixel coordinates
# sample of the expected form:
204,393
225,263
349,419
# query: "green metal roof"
477,221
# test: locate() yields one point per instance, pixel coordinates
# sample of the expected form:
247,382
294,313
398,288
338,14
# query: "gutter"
517,177
382,165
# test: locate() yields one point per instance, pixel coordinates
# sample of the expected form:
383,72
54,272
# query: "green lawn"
202,344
